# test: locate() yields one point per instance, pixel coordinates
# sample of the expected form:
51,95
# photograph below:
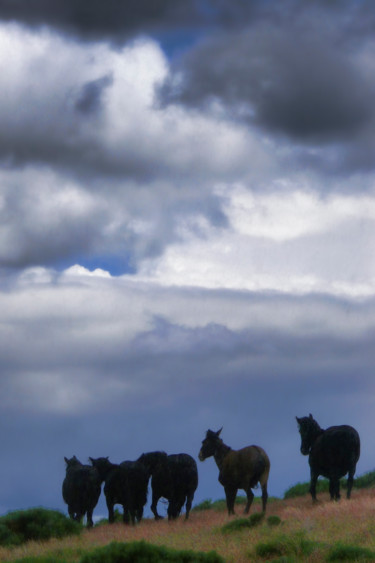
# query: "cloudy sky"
187,234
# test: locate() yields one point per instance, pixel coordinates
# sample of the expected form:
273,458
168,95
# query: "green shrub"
273,520
302,489
40,559
365,481
343,552
242,523
35,524
285,546
142,552
256,519
204,505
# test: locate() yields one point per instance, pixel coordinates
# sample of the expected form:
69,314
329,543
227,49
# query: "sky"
187,232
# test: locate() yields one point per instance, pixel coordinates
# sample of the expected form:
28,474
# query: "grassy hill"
294,529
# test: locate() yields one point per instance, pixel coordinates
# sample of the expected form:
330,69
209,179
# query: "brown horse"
238,469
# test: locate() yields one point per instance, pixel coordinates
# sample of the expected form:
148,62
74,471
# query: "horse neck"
222,450
317,431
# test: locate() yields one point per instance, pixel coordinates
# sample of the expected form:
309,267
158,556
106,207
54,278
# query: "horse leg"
132,513
90,523
314,478
250,497
189,502
139,513
337,489
111,512
125,514
264,497
230,495
350,482
332,488
154,505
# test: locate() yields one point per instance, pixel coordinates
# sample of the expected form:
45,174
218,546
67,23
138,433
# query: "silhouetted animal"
332,453
125,484
81,489
175,478
238,469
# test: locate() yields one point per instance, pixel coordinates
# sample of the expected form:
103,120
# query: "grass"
294,529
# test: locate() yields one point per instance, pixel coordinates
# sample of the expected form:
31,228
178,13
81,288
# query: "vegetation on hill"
35,524
293,529
364,481
142,552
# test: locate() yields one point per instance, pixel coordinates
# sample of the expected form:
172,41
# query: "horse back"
245,467
336,450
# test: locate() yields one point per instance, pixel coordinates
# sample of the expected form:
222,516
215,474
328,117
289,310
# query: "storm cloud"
95,20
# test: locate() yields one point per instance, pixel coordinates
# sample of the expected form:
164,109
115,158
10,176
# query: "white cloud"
285,215
292,241
78,271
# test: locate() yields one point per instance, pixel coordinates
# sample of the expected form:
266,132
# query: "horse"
174,477
81,490
333,453
238,469
125,484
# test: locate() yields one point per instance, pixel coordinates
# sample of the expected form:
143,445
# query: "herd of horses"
333,453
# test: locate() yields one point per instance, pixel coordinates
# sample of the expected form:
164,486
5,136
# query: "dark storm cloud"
284,80
94,19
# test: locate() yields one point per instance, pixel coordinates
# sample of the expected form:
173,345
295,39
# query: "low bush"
40,559
365,481
243,523
142,552
285,546
343,552
302,489
35,524
204,505
273,520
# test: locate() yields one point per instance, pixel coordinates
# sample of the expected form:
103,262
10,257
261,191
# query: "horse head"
309,430
210,444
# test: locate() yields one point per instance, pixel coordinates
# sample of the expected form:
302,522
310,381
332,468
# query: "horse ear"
298,420
66,459
219,432
311,416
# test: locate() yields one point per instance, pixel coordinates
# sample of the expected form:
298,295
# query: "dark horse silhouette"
174,477
333,453
238,469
